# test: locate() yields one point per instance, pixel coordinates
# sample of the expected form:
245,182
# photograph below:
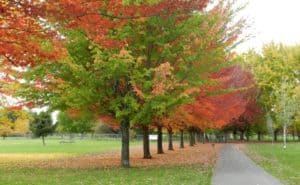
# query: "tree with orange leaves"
131,62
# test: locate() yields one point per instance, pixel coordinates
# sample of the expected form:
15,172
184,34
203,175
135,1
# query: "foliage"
132,61
41,125
13,122
69,125
276,72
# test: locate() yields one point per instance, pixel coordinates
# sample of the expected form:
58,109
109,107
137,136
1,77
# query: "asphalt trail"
235,168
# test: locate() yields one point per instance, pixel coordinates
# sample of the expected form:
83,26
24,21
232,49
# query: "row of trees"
160,64
277,73
130,63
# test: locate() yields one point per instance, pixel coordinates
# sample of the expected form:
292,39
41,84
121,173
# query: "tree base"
147,157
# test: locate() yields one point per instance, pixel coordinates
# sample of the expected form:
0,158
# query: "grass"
53,146
175,175
15,173
281,163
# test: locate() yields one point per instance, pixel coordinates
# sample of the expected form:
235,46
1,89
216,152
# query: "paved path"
235,168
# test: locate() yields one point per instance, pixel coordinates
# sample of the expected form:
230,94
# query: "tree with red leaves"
131,63
23,34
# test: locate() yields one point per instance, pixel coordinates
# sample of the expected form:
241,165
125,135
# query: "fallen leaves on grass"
204,154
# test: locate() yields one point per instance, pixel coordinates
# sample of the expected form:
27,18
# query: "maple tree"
24,36
231,98
131,62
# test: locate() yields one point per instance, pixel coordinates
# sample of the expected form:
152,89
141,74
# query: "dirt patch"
204,154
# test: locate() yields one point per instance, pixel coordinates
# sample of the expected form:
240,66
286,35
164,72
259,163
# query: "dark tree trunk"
159,140
242,135
199,136
146,144
191,137
247,137
194,137
234,135
181,139
275,134
43,138
259,136
125,143
293,135
206,138
170,133
298,137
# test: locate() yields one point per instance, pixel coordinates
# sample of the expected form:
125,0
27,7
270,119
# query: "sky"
271,20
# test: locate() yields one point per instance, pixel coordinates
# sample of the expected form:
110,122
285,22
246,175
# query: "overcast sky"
272,20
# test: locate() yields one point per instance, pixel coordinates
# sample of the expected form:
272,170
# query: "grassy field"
13,172
54,146
283,164
176,175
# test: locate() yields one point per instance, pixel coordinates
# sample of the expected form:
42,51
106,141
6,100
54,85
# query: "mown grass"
175,175
54,146
13,172
282,163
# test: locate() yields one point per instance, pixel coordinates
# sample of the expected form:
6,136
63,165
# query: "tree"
22,34
276,74
41,125
13,121
131,65
69,125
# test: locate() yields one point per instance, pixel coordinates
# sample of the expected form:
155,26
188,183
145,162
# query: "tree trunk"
275,135
242,136
191,137
194,137
259,136
146,144
125,143
298,137
159,140
181,139
170,133
43,138
293,135
247,136
234,135
206,138
200,136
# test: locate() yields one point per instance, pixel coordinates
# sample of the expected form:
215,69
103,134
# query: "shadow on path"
235,168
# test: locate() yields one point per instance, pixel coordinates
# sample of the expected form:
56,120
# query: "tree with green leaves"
69,125
41,125
276,72
135,65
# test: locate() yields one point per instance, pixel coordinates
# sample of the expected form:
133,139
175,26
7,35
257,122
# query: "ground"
281,163
97,162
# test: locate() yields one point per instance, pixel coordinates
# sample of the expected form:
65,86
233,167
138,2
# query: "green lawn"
283,164
53,146
176,175
17,174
